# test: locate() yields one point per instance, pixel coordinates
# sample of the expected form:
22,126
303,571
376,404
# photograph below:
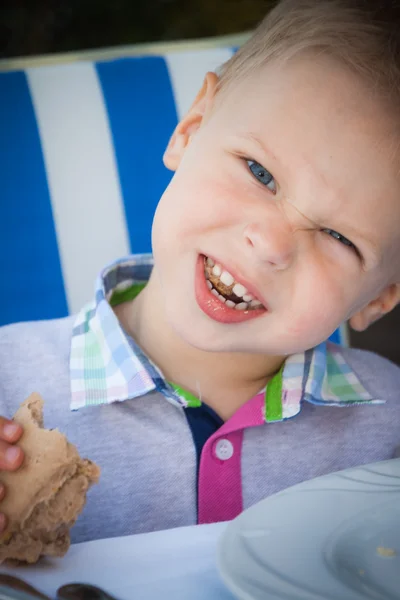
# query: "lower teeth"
236,305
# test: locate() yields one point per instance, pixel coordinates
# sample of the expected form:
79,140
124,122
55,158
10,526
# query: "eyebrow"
253,138
372,246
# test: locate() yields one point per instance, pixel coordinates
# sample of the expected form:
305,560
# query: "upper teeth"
225,277
237,288
240,290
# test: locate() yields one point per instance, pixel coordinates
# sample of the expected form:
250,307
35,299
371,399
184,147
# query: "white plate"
336,537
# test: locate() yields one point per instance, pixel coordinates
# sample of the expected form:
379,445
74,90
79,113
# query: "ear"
376,309
191,122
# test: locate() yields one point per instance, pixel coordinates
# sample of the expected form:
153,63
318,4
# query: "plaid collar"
108,366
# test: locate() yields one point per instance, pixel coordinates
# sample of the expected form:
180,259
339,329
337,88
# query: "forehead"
326,138
317,102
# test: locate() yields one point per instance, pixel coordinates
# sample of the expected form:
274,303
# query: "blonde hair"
363,34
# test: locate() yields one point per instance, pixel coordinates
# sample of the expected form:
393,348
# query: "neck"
225,381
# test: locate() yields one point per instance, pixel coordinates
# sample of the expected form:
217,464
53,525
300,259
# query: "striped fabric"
81,148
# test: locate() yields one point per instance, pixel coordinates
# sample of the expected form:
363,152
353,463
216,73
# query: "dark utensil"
9,593
82,591
15,583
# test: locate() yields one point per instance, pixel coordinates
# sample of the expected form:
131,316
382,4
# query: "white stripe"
82,174
187,71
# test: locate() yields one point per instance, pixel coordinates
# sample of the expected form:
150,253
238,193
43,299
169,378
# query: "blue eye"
262,175
340,238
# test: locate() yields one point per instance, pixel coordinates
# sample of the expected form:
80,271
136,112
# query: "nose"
272,244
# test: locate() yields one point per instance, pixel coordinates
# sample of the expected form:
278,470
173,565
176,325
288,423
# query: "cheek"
319,308
195,203
303,329
307,329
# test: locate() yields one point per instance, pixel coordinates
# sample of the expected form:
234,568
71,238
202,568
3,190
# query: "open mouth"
231,293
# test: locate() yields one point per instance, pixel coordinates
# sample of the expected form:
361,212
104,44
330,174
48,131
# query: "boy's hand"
11,456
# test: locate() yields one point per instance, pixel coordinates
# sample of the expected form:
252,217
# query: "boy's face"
289,184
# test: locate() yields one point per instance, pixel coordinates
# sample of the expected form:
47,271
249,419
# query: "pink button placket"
220,482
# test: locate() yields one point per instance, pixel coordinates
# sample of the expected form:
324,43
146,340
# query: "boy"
203,384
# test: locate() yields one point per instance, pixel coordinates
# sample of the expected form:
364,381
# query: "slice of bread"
46,495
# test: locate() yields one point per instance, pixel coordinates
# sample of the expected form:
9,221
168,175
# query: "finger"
11,457
2,491
10,431
3,522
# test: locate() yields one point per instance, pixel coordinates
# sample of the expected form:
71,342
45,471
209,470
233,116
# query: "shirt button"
224,449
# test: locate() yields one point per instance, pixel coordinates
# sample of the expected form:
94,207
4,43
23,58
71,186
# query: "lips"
214,307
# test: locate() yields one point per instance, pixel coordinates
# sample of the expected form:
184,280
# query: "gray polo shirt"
145,448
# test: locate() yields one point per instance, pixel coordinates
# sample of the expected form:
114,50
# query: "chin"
196,337
193,332
202,337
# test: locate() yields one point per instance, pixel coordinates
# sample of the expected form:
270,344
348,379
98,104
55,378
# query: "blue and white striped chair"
81,145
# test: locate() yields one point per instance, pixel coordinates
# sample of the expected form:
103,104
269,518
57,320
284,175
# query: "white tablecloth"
177,563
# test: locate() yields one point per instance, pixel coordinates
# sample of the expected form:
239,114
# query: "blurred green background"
29,27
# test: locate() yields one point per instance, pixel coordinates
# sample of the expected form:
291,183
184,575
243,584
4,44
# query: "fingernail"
12,454
10,429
